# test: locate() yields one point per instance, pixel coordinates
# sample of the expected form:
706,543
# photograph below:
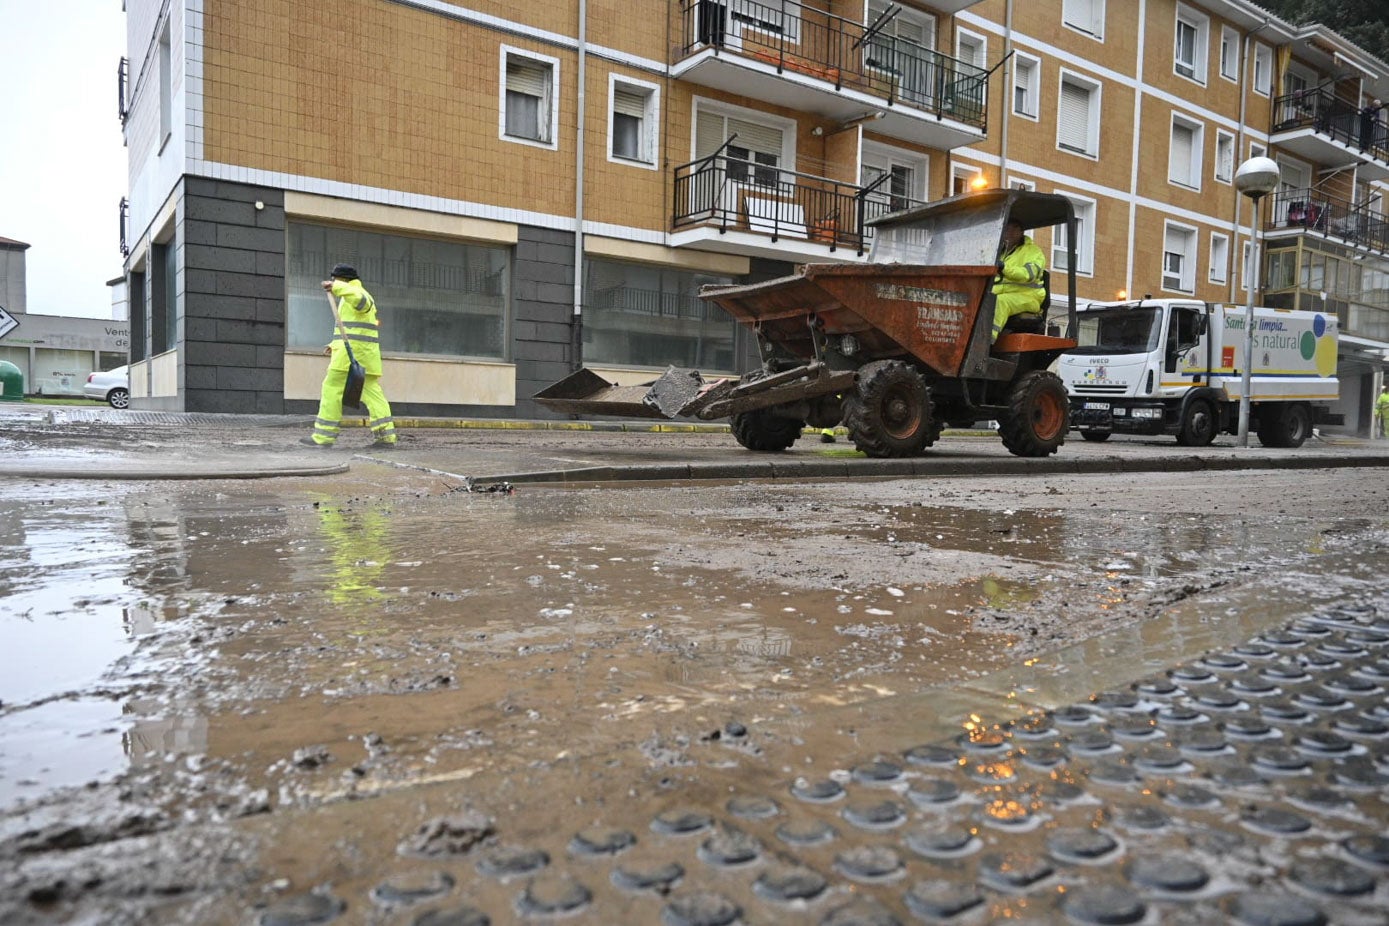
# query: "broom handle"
337,321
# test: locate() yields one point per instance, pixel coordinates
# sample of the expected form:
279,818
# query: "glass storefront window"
435,298
644,315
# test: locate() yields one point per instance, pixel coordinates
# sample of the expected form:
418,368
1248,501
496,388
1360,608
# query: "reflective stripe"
370,326
325,423
365,338
329,434
380,421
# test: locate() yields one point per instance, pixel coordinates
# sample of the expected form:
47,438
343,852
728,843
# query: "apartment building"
528,188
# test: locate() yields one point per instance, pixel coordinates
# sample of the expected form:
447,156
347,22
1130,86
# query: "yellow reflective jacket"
1022,270
358,312
1382,405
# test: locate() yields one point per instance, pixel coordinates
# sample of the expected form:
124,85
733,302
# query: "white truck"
1173,366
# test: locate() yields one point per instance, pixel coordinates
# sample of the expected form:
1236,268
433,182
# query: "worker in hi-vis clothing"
1018,287
357,309
1382,411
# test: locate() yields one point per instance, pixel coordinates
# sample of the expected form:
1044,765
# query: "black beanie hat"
344,272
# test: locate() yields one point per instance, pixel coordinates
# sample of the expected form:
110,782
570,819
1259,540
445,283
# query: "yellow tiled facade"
405,105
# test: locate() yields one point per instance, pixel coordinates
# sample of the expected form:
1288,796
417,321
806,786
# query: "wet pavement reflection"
230,652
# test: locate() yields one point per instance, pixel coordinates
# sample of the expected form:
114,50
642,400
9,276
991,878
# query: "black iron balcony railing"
1337,119
1336,218
838,51
124,219
732,194
122,76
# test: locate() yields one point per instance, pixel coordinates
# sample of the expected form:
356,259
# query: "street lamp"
1256,178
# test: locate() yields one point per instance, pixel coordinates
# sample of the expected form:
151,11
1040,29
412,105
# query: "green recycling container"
11,382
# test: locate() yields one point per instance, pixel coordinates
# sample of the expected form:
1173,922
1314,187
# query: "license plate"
1097,406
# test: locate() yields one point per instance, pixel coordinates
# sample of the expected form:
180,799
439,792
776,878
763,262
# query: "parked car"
112,387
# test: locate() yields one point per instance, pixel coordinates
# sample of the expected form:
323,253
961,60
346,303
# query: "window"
970,48
1229,53
1184,154
766,16
647,315
962,177
1224,156
1263,68
441,298
1084,16
906,174
1078,116
166,87
1257,150
1193,40
901,49
1022,185
1282,268
909,25
756,150
1220,257
1027,83
528,110
1085,238
1178,258
633,114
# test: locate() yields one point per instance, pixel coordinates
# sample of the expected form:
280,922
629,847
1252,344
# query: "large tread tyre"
1038,415
118,398
765,432
1289,427
889,413
1199,424
1096,436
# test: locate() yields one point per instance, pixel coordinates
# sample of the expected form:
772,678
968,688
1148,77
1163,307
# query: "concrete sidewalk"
66,442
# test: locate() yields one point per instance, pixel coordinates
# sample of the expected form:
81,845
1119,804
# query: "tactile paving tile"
1196,795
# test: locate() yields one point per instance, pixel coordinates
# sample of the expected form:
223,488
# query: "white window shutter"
527,78
629,103
1073,130
761,139
710,133
1179,168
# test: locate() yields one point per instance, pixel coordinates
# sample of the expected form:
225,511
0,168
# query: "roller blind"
1179,168
1073,130
629,103
525,77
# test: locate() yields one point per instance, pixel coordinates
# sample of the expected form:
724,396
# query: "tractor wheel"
764,431
1096,436
1038,415
889,413
1198,424
1289,426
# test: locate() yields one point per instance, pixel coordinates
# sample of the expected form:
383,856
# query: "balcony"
807,59
740,207
1308,211
1318,126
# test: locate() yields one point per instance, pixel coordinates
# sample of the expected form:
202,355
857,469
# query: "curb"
921,466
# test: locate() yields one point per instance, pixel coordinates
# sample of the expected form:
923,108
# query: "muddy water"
257,651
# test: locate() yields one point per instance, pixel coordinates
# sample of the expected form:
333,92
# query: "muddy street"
242,701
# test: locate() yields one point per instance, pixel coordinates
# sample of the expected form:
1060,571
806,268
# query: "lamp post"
1256,178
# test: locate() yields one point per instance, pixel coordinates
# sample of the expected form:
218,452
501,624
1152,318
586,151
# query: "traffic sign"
7,322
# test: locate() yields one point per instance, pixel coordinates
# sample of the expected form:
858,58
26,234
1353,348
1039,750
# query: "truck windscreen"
1122,330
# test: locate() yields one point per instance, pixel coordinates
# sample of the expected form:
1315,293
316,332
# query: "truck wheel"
1289,427
763,431
889,413
1198,424
1038,415
1096,436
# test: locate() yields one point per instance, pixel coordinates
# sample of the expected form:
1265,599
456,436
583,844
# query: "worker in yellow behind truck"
1382,411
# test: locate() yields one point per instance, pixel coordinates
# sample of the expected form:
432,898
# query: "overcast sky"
62,159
